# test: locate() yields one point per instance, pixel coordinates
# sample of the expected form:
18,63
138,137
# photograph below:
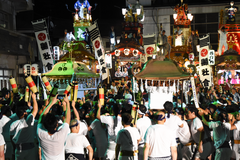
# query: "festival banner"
99,50
233,40
149,44
204,47
78,32
108,60
44,44
194,92
205,70
211,57
206,76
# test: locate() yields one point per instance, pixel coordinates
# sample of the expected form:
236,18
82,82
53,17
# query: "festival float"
76,57
129,50
180,48
227,66
161,78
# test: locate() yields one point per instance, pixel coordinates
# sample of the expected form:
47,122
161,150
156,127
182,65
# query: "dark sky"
106,13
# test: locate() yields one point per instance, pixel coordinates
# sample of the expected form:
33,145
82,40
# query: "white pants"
221,44
235,154
110,153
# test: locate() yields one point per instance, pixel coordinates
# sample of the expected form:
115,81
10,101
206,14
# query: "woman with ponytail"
173,123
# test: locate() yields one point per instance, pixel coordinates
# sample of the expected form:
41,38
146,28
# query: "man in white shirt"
75,143
223,39
114,87
160,142
236,138
22,133
200,135
127,140
51,139
5,123
2,143
142,125
114,124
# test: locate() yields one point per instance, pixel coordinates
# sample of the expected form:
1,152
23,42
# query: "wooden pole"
182,96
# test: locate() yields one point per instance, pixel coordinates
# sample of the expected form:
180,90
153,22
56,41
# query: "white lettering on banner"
99,51
194,92
211,57
44,44
27,69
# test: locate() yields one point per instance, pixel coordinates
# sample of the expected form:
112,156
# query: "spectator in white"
125,72
184,137
113,126
22,133
100,136
127,94
114,87
236,137
173,122
75,143
51,139
5,123
236,97
160,142
2,143
200,135
221,135
142,125
118,73
127,140
223,39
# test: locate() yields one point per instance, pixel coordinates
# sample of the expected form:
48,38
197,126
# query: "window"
3,20
4,78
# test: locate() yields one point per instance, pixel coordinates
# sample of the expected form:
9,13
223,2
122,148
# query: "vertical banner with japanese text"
44,44
98,47
205,70
194,92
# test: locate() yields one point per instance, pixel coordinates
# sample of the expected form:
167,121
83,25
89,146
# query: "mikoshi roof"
79,52
161,70
65,70
230,56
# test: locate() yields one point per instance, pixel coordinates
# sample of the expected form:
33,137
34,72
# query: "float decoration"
160,76
65,70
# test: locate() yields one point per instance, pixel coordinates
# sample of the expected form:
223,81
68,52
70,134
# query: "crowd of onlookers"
85,129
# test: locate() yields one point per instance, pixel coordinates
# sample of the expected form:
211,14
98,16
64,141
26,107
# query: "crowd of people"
85,129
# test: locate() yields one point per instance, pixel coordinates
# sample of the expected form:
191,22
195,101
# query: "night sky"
106,13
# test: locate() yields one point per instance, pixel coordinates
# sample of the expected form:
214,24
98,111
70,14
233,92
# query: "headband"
139,112
74,125
160,117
